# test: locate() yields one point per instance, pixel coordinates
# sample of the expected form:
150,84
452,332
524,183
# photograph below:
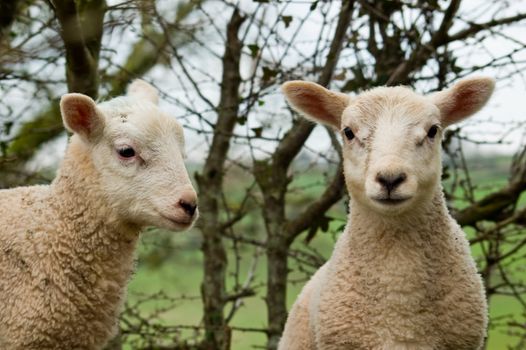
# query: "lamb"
401,275
67,249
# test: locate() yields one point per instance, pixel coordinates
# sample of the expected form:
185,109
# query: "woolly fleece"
401,276
67,249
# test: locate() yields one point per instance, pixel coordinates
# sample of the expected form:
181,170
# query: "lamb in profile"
67,250
401,275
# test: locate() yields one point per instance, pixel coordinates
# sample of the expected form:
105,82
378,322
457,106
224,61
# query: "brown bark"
272,178
498,205
81,28
333,193
210,182
8,12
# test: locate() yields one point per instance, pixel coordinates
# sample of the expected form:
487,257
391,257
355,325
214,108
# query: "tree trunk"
271,176
210,182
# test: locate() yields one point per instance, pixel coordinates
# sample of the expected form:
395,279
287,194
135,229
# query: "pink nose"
188,202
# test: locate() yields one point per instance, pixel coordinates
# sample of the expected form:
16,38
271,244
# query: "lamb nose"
188,207
391,181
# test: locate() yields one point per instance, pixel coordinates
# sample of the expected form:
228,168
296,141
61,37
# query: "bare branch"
81,30
210,183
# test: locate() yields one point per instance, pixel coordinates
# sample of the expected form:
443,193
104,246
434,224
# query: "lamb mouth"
392,201
178,222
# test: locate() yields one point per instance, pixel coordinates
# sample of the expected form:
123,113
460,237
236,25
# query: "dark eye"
348,133
126,152
432,131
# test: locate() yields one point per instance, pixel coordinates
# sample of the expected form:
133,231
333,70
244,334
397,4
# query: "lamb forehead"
141,119
399,104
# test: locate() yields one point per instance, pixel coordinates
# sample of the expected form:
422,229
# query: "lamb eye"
348,133
126,152
432,131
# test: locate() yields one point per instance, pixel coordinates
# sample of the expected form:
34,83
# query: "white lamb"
401,275
67,250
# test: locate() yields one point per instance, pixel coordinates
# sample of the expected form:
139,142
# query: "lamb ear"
316,102
141,89
81,116
462,100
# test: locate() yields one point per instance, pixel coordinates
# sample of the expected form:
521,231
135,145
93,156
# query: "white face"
391,136
140,156
139,153
391,149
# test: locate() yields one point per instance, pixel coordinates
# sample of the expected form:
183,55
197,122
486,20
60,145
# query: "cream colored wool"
67,250
401,276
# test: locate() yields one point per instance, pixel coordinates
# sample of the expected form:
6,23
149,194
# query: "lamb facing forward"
401,275
67,250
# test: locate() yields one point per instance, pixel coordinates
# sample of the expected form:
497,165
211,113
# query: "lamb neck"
97,242
411,247
427,222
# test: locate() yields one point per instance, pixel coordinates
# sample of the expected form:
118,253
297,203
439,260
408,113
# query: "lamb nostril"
189,208
391,181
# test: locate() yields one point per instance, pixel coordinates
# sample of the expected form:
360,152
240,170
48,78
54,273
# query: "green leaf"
254,50
445,173
257,131
321,223
324,224
242,120
340,76
8,125
311,234
269,73
286,20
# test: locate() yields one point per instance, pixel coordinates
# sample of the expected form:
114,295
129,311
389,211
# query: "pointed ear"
81,116
316,102
141,89
462,100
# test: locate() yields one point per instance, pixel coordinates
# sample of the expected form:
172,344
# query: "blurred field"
172,263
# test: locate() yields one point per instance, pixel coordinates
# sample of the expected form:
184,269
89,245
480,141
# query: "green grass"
173,263
182,275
